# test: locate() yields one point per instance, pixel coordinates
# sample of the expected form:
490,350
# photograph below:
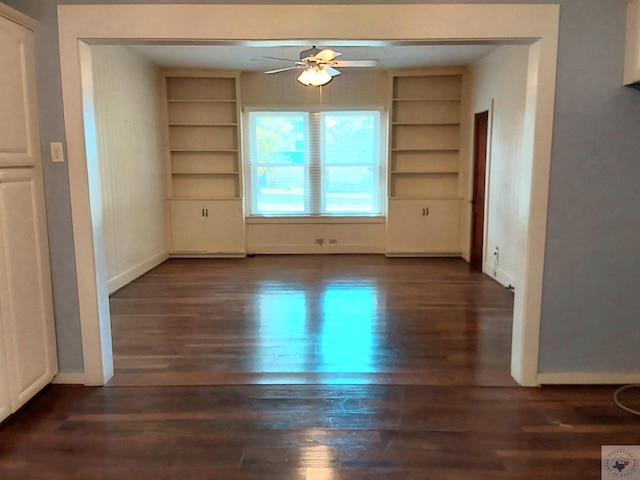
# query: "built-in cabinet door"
406,227
18,124
442,226
225,224
188,226
27,337
207,226
25,290
429,226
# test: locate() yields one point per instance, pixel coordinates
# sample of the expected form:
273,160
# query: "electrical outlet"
57,153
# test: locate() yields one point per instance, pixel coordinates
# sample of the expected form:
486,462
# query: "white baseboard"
131,274
423,254
76,378
499,275
582,378
207,255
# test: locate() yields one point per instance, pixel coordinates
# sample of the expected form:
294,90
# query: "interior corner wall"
132,165
498,80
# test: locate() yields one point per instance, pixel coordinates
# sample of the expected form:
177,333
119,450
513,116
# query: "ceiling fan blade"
331,71
278,58
326,55
282,70
355,63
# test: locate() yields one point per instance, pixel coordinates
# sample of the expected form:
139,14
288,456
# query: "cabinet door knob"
426,212
203,212
207,212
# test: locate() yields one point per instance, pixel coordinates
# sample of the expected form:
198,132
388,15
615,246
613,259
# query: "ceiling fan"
319,65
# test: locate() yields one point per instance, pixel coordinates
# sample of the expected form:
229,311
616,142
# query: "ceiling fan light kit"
318,66
315,77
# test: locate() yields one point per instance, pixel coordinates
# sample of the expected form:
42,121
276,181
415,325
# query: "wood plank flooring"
328,319
313,368
313,432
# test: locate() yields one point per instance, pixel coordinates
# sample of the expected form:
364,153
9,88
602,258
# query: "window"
315,163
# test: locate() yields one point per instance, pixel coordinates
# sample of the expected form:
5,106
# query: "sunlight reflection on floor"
343,324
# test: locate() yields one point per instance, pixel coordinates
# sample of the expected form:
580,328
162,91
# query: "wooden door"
480,135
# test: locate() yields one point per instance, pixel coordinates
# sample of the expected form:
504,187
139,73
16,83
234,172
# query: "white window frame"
315,199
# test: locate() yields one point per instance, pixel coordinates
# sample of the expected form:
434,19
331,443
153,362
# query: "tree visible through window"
309,163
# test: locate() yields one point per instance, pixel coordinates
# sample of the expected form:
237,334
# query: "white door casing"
535,24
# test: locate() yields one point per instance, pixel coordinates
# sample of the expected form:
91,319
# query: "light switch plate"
57,153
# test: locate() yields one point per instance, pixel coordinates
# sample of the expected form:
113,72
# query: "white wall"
132,164
322,235
351,87
497,84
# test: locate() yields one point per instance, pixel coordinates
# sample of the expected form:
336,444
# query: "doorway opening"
480,140
533,25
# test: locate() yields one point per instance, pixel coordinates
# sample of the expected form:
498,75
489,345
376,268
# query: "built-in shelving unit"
424,161
425,135
204,138
205,185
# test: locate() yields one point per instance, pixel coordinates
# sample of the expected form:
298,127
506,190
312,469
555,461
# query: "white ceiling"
249,56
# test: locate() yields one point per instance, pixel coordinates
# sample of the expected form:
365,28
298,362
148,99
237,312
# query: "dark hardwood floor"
314,368
313,432
354,319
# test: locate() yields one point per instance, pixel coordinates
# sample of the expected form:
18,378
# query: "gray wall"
591,299
591,296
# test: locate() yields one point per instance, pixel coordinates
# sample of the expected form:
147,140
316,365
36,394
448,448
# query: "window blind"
314,163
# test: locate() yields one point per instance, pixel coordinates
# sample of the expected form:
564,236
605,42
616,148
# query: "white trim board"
503,278
17,17
134,272
69,379
535,24
585,378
